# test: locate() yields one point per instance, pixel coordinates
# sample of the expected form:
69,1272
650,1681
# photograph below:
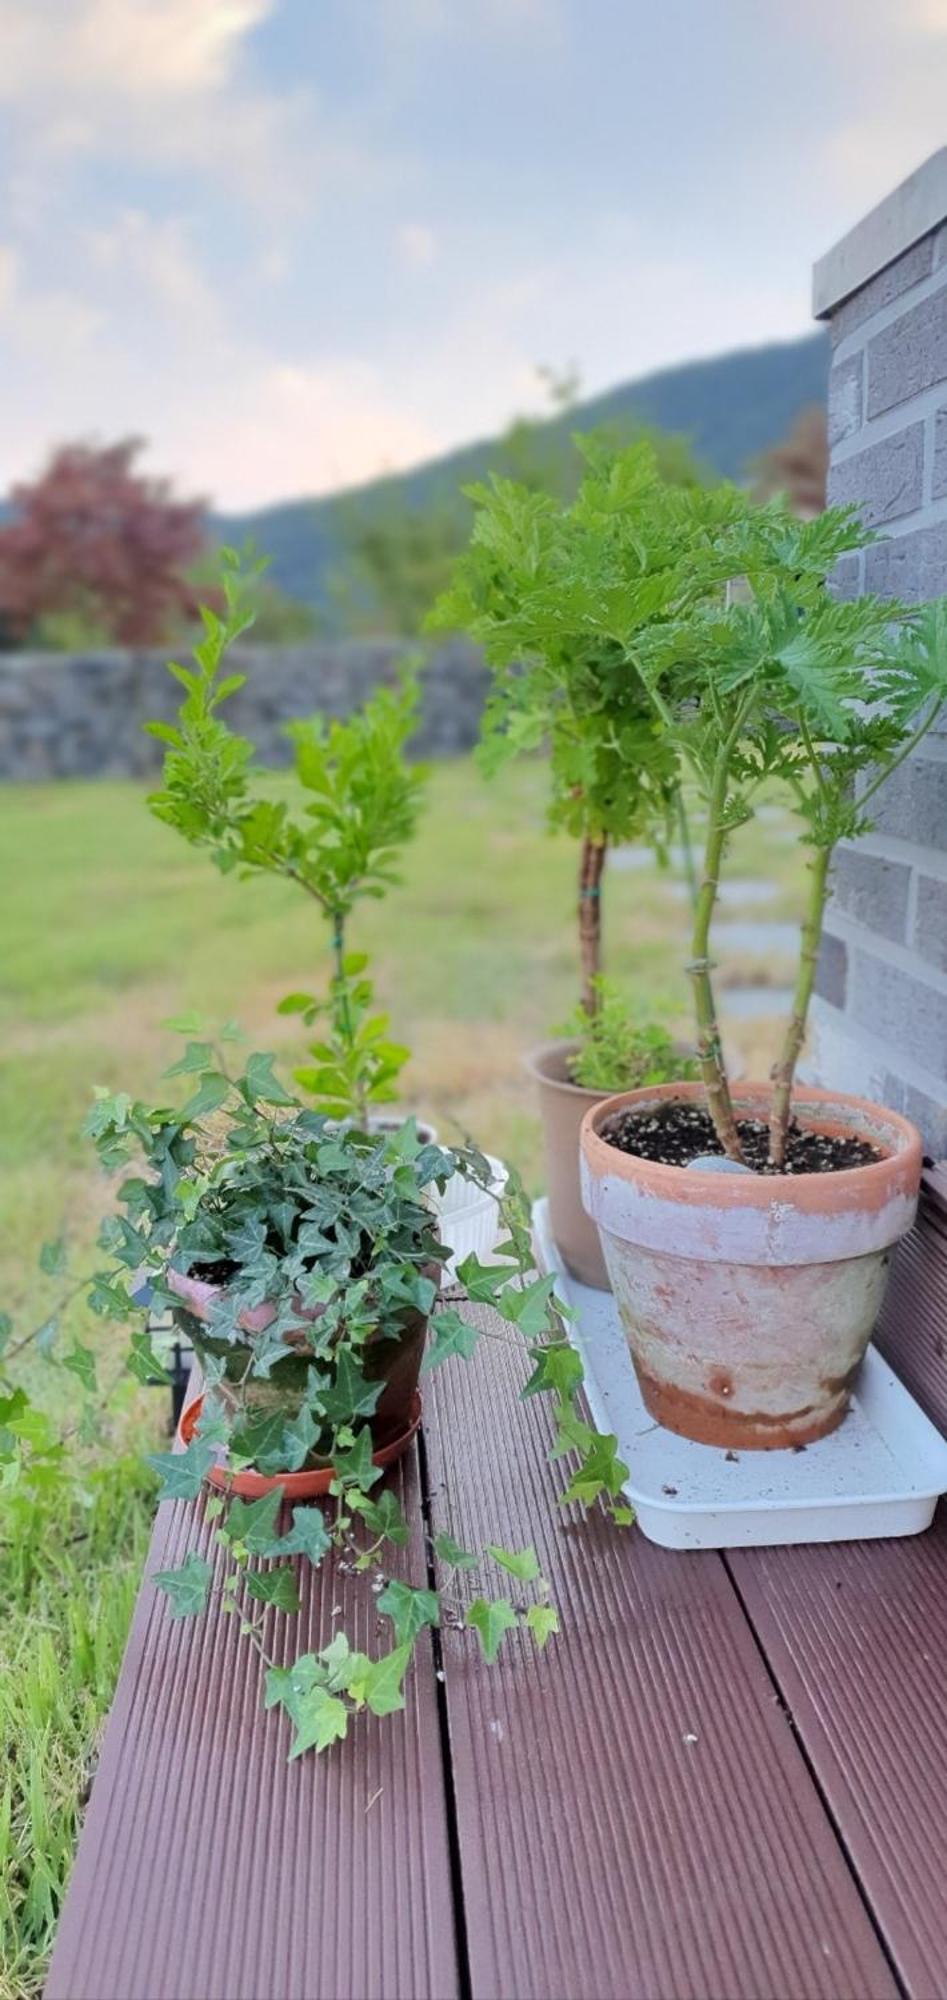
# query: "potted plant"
543,588
747,1228
359,804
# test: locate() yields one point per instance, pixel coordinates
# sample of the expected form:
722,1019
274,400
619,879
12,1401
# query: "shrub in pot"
543,588
747,1228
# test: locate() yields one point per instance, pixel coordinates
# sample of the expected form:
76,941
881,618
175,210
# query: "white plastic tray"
880,1473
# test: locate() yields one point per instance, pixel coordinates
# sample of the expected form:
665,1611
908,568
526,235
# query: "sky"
294,243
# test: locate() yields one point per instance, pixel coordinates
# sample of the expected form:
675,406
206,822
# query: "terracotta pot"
748,1300
395,1361
306,1485
563,1105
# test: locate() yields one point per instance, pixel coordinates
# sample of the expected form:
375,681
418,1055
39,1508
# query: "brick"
889,284
913,566
872,891
939,482
925,1110
912,804
909,356
884,481
901,1011
930,926
940,246
845,581
831,973
845,399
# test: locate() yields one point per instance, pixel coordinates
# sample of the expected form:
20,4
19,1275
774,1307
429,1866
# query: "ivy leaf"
451,1553
197,1056
354,1467
308,1536
299,1436
349,1395
527,1306
521,1564
187,1587
274,1586
543,1621
284,1685
142,1361
253,1522
80,1362
209,1096
52,1258
259,1085
383,1516
47,1336
320,1719
491,1621
601,1471
182,1472
558,1369
381,1688
450,1334
408,1608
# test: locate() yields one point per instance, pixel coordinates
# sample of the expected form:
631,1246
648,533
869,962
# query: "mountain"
730,408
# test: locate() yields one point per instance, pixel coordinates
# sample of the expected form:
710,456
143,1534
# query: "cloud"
416,245
141,250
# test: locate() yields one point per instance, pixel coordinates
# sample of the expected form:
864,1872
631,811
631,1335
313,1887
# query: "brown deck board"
210,1869
635,1820
856,1635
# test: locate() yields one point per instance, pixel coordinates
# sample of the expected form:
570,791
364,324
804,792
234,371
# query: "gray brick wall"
81,716
880,1017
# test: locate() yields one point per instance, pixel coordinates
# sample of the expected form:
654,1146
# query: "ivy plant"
357,805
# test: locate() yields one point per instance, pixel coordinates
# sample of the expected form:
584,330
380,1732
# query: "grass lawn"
110,924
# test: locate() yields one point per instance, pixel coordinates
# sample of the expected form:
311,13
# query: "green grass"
110,924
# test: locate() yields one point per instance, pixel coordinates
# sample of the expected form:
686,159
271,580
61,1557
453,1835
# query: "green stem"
709,1047
687,846
784,1069
343,1012
905,751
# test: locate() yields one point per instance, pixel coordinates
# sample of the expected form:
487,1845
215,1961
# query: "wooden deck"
727,1776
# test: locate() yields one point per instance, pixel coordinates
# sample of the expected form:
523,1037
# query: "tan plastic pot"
563,1105
748,1300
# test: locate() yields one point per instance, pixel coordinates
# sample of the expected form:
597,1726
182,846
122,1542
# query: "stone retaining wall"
81,716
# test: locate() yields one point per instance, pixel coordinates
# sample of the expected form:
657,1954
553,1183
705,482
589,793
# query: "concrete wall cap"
908,213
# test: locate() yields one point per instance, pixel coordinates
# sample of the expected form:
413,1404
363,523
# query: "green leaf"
558,1369
451,1553
6,1329
253,1522
182,1472
209,1096
52,1258
354,1467
491,1621
349,1394
284,1685
320,1719
187,1586
521,1564
543,1621
299,1436
296,1003
381,1688
259,1083
383,1516
274,1586
198,1056
308,1536
601,1471
450,1334
47,1335
80,1362
408,1608
142,1361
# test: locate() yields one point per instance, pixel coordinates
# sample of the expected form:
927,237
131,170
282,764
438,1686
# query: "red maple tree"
92,536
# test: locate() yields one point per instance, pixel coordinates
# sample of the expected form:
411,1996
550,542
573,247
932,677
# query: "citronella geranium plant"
339,844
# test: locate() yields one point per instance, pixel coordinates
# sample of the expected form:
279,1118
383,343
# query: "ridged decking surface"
725,1780
212,1869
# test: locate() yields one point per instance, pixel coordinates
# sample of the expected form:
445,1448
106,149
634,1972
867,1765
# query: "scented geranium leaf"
520,1563
52,1258
601,1471
382,1687
252,1523
558,1370
308,1536
450,1334
543,1622
142,1361
491,1621
188,1586
408,1608
383,1516
259,1084
274,1586
182,1472
210,1094
451,1553
349,1395
353,1467
80,1362
320,1719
